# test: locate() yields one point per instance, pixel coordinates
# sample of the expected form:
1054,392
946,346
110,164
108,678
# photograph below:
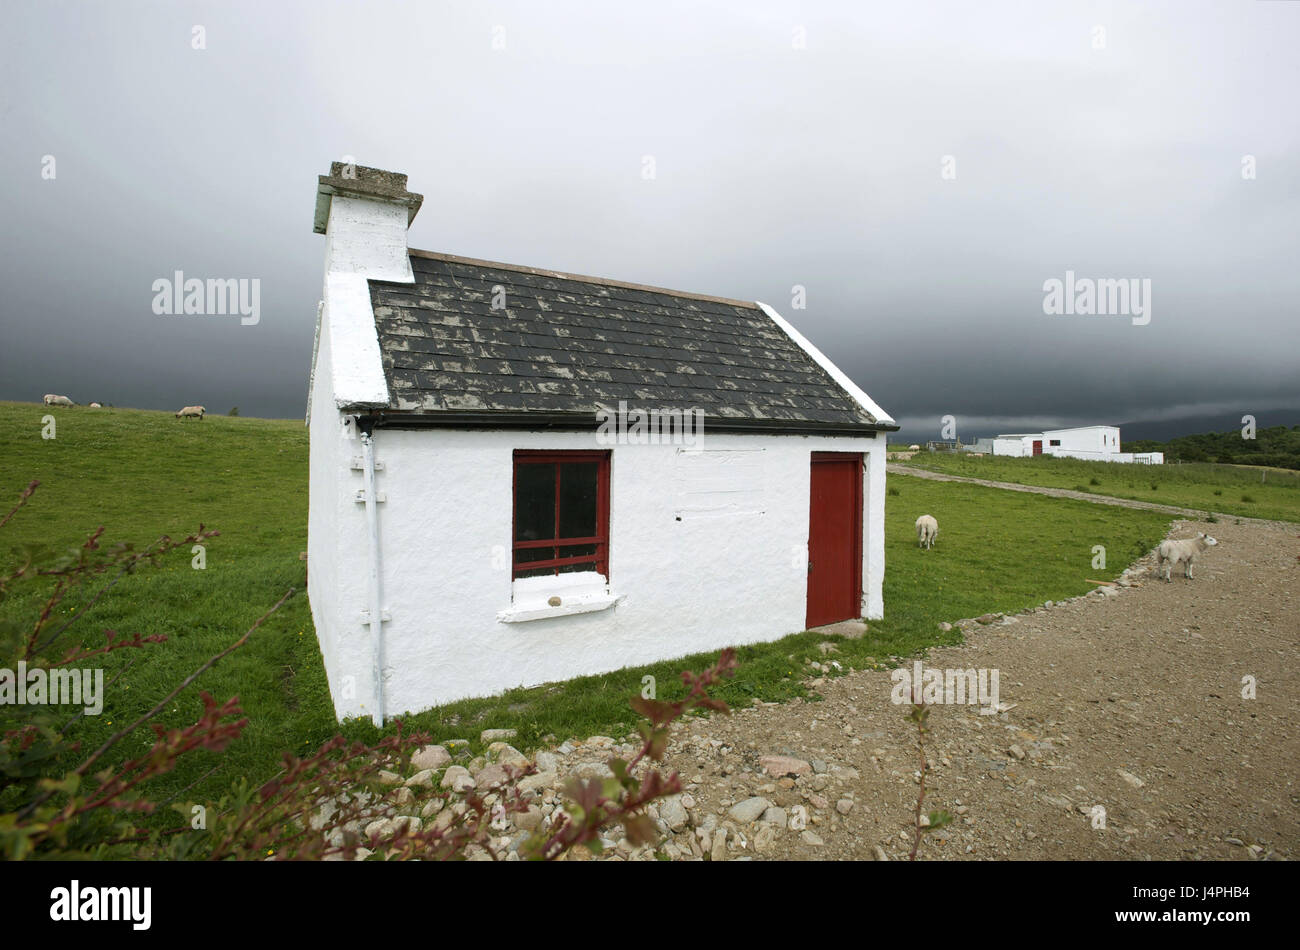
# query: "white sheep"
913,447
192,411
53,400
927,529
1171,552
95,405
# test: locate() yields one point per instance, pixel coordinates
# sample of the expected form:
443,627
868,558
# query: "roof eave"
587,421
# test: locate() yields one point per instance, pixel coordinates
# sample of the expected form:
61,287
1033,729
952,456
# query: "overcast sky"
792,144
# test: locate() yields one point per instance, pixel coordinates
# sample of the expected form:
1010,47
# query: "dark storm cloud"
775,167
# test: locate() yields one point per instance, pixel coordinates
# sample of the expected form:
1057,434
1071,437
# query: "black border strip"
370,419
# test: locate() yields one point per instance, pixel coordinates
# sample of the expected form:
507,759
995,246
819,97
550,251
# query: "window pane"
578,499
534,554
525,555
534,571
545,554
534,501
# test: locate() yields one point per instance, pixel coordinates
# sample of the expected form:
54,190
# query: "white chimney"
364,214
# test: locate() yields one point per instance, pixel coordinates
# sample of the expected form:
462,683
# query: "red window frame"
599,561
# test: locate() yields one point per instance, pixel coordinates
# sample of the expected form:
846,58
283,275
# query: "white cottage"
520,476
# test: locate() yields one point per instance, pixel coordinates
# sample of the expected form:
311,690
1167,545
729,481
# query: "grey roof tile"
568,344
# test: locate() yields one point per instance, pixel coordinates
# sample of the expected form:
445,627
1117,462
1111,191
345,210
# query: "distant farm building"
1093,443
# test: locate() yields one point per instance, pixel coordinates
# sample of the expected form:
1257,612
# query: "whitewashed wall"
732,571
1014,447
337,545
1088,442
364,239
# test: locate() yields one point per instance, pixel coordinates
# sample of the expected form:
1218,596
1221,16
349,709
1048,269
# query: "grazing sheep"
913,447
53,400
1171,552
927,529
95,405
192,411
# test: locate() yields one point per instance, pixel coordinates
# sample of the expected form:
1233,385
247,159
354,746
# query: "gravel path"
1131,700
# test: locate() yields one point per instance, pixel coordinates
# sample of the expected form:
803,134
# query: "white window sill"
586,605
578,593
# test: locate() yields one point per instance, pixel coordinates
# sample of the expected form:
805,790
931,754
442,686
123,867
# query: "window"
1054,442
561,513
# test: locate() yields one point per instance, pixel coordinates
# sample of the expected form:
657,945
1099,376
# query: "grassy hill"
143,474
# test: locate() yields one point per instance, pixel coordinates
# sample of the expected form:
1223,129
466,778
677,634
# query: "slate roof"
567,345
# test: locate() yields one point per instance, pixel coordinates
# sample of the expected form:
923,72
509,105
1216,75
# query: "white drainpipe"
376,584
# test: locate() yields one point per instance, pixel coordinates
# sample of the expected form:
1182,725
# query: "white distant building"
1094,443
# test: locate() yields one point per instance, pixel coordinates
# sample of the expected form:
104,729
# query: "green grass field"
1231,489
142,474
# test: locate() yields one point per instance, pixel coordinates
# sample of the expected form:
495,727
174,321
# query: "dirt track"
894,469
1132,702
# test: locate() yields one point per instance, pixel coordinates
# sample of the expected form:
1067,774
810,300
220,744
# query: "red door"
1038,446
835,538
